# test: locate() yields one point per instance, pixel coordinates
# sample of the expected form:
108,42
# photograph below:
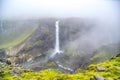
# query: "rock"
0,77
8,62
2,60
16,71
12,72
5,61
1,69
99,78
100,68
56,79
118,55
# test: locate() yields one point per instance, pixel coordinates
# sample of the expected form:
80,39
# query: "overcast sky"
59,8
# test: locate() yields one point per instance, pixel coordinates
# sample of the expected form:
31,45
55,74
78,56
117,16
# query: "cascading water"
57,46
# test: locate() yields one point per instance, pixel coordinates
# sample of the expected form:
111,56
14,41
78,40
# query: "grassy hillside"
10,38
111,72
105,52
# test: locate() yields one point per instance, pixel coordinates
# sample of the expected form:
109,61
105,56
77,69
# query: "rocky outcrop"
100,68
99,78
14,50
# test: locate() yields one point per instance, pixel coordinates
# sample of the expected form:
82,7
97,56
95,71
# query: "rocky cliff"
31,42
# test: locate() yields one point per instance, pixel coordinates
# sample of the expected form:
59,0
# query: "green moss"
50,64
112,71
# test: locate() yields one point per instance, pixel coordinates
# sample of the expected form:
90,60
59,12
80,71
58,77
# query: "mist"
104,12
59,8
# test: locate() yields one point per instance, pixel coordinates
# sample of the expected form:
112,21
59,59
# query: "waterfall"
57,46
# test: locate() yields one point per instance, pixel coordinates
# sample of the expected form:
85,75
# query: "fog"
59,8
105,12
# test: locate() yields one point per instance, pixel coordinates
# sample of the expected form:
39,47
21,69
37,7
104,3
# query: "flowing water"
65,68
57,46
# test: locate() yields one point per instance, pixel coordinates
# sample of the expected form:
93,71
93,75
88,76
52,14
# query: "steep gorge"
33,51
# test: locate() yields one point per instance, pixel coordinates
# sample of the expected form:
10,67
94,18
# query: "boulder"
1,69
15,71
99,78
100,68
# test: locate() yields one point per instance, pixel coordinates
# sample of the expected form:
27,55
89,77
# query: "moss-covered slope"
111,72
15,31
17,38
105,52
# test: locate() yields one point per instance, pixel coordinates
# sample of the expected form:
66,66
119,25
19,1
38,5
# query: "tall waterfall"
57,46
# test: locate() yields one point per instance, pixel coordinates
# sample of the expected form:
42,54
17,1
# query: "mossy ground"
112,72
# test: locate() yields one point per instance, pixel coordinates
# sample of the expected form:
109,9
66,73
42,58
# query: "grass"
112,71
15,40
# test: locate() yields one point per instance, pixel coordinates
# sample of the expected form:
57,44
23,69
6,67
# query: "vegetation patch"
13,39
111,72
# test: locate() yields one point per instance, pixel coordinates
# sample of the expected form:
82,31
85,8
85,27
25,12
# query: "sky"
58,8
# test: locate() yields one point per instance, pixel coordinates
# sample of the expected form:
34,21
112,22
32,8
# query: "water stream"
57,46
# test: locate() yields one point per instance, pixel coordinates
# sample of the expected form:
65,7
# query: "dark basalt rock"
118,55
17,71
8,62
100,68
99,78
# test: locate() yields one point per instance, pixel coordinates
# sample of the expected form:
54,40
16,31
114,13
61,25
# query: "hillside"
28,45
110,70
105,52
26,41
15,32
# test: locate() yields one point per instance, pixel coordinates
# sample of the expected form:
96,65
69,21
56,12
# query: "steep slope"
105,52
42,41
31,46
15,32
111,72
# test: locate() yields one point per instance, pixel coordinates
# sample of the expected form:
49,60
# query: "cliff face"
28,43
32,43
